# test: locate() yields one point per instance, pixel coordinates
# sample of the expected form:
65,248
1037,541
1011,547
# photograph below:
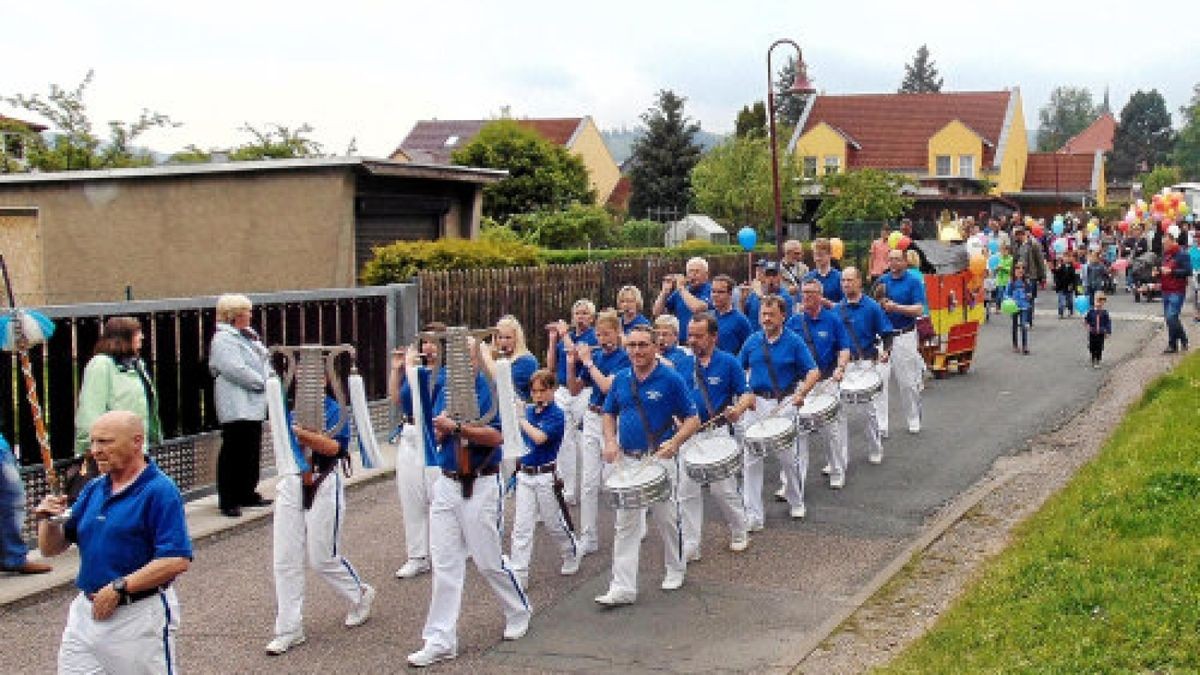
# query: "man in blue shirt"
825,273
542,424
770,283
781,372
732,326
639,424
685,295
717,383
870,342
825,336
563,339
904,302
598,366
133,542
666,328
463,523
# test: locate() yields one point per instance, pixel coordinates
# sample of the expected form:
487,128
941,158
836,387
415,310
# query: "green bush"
402,260
491,231
641,233
691,248
576,226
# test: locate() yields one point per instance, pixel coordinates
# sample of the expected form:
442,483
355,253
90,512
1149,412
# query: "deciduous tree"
1187,146
921,76
541,175
277,142
663,158
751,121
1069,111
732,183
862,194
1162,176
1143,138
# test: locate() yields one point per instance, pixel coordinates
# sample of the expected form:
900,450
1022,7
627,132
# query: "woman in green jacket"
116,379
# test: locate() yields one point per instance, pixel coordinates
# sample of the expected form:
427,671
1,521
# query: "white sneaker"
837,482
614,599
755,525
362,611
413,567
914,428
883,433
588,547
740,542
518,629
281,643
673,580
798,512
781,493
827,469
875,459
692,554
569,566
429,655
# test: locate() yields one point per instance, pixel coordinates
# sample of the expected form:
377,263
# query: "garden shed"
696,226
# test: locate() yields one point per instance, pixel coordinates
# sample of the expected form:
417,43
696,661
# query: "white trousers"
413,483
467,527
907,367
591,459
535,496
793,461
691,498
573,408
866,412
137,638
631,527
317,532
835,435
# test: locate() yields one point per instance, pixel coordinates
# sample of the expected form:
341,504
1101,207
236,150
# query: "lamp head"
801,85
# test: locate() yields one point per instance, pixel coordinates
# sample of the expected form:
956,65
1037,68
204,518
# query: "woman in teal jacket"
116,379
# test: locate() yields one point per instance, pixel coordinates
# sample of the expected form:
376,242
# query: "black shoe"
258,502
232,511
1170,351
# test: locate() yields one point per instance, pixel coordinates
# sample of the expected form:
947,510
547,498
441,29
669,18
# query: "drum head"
712,450
770,427
636,475
860,380
818,403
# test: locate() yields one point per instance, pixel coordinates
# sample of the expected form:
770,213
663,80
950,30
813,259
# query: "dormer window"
942,167
966,166
451,141
832,163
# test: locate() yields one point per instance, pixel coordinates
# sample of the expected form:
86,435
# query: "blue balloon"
1060,246
994,245
748,238
1081,304
1057,227
993,261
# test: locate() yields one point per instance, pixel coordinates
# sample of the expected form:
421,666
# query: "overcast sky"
369,69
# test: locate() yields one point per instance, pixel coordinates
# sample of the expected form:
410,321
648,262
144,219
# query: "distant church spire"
1105,109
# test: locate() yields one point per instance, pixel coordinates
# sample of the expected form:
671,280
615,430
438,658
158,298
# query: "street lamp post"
801,85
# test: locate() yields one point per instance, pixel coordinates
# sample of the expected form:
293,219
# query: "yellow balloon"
836,248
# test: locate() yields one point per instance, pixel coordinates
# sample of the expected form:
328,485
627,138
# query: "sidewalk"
204,521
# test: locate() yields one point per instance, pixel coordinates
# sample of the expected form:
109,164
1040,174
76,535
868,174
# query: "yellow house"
433,141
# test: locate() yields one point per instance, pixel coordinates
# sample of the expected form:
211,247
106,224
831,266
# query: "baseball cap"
770,267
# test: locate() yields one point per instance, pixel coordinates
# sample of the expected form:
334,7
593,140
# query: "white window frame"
808,166
937,166
966,166
834,162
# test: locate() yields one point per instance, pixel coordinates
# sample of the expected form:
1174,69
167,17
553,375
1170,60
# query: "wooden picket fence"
538,296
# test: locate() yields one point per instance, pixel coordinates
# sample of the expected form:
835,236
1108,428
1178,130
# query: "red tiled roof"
33,126
1098,136
1074,172
619,197
894,129
428,138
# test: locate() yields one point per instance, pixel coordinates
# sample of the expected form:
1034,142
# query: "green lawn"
1106,577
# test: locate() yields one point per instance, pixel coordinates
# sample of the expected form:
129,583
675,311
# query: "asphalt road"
737,612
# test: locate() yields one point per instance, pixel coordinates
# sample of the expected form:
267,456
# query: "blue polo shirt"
560,360
725,381
675,305
639,320
868,321
825,336
831,284
754,303
333,414
608,363
681,359
481,455
406,406
906,290
523,368
791,359
732,330
550,421
119,534
663,395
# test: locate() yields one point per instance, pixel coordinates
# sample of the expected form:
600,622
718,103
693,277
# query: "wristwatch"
118,585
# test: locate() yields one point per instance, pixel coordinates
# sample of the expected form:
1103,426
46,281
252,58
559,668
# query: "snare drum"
636,486
817,411
709,460
861,386
772,434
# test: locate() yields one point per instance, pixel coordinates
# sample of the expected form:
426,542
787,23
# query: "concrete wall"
172,236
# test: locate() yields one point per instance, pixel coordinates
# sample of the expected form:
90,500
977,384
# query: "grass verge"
1106,576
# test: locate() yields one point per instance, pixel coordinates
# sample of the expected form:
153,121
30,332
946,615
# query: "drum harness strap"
844,312
812,347
708,406
637,402
776,392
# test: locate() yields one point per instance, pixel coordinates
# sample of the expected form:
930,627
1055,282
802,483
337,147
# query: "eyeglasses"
638,345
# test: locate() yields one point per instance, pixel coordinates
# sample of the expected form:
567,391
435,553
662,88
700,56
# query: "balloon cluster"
837,248
898,241
1164,208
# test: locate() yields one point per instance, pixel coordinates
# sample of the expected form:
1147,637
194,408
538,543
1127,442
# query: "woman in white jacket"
239,363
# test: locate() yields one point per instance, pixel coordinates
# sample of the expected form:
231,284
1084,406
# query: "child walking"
1020,291
1065,281
1099,326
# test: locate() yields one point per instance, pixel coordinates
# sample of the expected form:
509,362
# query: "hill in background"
620,141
